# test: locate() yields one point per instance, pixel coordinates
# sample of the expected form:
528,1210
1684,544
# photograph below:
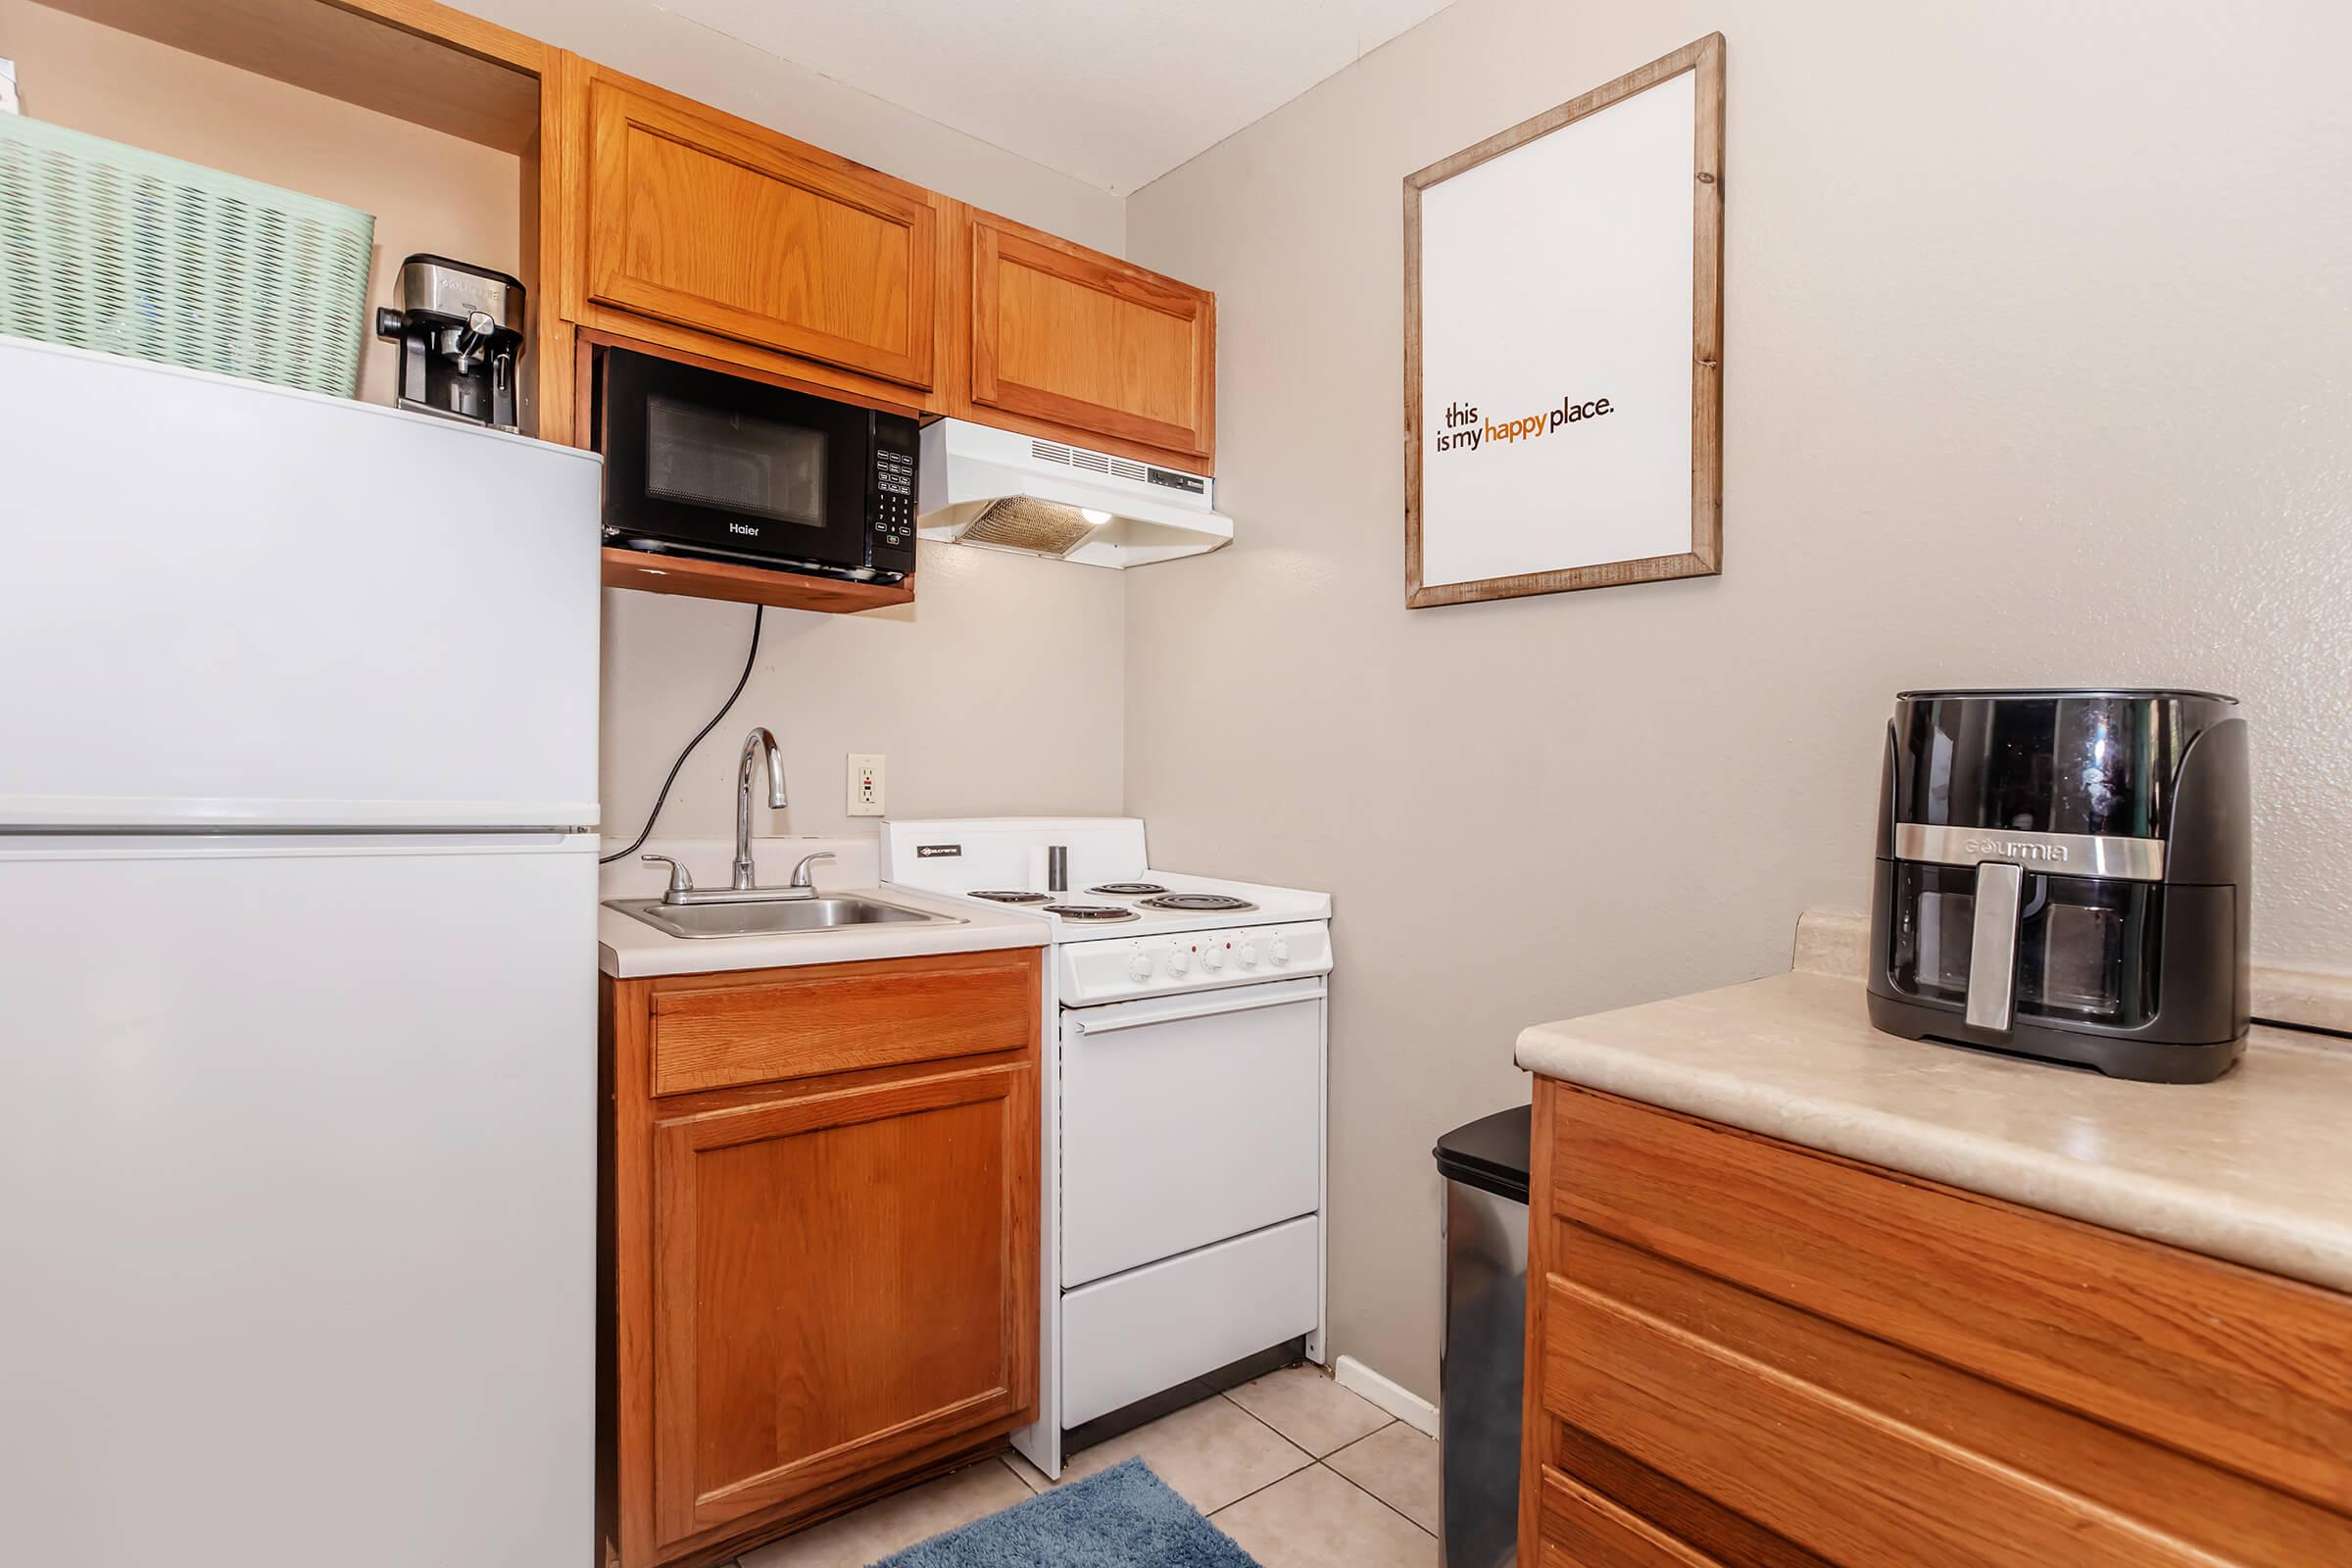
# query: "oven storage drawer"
1185,1121
1151,1329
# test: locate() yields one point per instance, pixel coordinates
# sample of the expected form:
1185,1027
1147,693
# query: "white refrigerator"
298,750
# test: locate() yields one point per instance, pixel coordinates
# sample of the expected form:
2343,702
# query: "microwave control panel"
890,503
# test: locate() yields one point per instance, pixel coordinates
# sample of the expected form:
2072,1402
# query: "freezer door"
299,1194
227,602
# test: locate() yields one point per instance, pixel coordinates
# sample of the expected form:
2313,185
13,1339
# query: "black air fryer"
2067,875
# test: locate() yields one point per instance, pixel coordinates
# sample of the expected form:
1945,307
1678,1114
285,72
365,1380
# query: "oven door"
730,467
1187,1121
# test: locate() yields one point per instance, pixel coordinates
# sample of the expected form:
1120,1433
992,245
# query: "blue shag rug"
1126,1517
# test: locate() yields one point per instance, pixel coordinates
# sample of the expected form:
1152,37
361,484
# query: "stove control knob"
1249,953
1213,958
1282,950
1179,961
1140,966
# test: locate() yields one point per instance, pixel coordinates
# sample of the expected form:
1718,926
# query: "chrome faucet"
746,877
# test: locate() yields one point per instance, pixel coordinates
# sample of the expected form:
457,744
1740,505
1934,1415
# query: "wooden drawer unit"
718,224
1070,344
1875,1369
717,1031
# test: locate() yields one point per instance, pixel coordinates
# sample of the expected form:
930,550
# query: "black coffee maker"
460,332
2067,875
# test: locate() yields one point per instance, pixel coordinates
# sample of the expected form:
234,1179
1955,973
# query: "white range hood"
1006,491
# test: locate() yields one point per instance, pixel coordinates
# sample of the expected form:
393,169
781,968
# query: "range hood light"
1002,490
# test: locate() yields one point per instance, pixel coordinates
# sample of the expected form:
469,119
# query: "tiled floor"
1300,1472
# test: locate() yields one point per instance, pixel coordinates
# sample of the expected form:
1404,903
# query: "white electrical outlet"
865,784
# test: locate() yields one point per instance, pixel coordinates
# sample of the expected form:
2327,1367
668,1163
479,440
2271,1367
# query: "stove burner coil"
1002,896
1128,890
1093,913
1200,902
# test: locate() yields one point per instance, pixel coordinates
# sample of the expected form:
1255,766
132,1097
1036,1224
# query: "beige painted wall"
1001,689
429,191
2038,368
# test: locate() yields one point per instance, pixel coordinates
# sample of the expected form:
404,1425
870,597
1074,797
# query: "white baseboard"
1393,1396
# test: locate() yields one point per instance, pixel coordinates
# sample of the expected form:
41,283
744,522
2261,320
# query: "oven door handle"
1104,1026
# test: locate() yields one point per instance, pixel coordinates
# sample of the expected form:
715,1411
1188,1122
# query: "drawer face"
1847,1478
1152,1328
2216,1361
1582,1529
721,1031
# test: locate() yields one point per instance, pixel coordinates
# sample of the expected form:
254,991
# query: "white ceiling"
1113,92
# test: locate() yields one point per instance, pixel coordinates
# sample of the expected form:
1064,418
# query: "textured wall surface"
2038,370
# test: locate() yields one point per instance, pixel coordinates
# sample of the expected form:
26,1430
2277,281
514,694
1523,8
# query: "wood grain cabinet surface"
713,223
1742,1352
1063,342
821,1239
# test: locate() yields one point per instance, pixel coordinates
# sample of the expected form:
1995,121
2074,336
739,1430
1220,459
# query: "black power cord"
758,612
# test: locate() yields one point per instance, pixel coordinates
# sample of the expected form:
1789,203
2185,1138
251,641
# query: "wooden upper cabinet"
843,1278
1063,341
718,225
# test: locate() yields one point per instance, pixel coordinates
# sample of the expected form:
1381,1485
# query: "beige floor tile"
1031,1476
1309,1409
1316,1519
1398,1465
896,1521
1210,1453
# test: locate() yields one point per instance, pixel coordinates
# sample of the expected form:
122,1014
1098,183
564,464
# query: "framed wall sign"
1563,332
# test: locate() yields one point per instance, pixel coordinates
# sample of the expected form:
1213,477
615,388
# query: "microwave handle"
1104,1026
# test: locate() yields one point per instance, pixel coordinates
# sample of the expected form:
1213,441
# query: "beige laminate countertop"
627,949
2255,1168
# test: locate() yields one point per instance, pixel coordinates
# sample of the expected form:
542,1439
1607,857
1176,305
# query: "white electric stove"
1187,1044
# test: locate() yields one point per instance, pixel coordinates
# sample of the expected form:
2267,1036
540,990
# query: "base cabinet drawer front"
1849,1483
717,1031
734,231
841,1281
1153,1327
2098,1469
2236,1368
1582,1529
1089,343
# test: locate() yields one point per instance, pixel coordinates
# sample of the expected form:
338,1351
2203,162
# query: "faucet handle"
799,872
681,881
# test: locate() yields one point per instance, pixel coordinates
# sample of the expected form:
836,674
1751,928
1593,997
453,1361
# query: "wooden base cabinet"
1744,1353
821,1285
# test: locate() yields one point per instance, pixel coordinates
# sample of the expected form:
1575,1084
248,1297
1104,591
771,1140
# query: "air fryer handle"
1992,946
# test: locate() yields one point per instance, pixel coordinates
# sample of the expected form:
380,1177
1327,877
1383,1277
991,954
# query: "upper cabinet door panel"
1089,342
759,238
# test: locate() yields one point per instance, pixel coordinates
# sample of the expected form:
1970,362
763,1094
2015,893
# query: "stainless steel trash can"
1480,1369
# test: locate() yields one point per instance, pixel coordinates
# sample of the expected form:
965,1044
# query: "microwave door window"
713,458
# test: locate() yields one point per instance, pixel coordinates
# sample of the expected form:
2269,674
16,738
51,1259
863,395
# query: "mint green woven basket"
109,247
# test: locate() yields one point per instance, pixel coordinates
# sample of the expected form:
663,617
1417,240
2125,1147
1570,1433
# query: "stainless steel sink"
772,916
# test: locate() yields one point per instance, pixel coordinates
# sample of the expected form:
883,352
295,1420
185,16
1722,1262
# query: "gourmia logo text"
1465,432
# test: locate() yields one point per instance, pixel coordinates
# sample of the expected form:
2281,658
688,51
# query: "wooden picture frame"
1703,62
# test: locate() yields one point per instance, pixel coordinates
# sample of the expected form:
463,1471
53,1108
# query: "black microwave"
698,463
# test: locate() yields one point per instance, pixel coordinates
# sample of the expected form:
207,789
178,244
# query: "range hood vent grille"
1092,462
1024,523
